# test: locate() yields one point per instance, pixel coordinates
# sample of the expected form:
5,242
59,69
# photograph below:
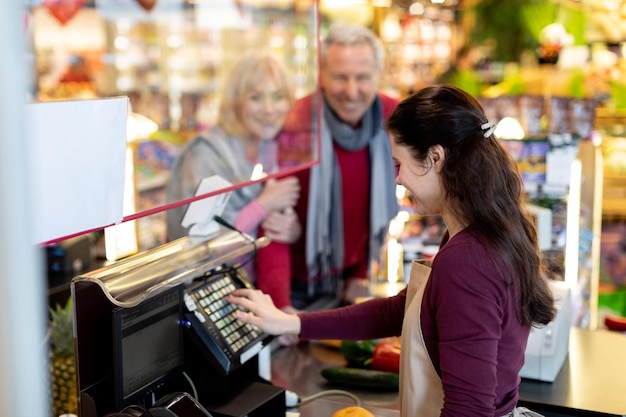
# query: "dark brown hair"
482,183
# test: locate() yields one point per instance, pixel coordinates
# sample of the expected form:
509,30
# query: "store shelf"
418,49
614,196
614,171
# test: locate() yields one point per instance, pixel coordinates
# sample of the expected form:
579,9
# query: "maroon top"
469,323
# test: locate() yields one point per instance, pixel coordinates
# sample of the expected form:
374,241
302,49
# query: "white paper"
200,214
76,165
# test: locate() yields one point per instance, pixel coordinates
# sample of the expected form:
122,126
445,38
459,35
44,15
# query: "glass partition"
170,57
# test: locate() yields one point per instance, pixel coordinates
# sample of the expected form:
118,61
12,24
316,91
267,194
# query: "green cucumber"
361,378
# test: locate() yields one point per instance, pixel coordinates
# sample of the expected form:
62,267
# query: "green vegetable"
358,353
362,378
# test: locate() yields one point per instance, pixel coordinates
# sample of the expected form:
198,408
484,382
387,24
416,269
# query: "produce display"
607,20
371,364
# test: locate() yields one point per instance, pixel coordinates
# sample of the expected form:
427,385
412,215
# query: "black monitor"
147,347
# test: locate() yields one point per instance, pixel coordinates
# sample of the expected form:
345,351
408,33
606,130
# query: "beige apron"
421,393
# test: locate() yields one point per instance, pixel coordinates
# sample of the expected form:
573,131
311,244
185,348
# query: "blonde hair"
251,71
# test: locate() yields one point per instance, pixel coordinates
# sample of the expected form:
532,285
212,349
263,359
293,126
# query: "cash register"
548,346
152,331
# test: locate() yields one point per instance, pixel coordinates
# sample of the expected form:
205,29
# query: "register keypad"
210,300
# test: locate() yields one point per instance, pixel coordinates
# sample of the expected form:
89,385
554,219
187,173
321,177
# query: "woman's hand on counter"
263,313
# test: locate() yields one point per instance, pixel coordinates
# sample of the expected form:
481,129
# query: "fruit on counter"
361,378
386,357
63,363
352,411
358,353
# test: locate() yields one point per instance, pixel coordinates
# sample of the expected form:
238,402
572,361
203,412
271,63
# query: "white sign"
76,163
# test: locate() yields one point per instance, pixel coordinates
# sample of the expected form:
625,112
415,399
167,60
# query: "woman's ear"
437,155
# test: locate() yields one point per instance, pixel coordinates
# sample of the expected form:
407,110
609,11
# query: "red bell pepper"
615,323
386,357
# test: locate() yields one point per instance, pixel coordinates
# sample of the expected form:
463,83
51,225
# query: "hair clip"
489,127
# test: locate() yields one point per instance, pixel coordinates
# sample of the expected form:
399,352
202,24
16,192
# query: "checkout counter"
592,381
569,371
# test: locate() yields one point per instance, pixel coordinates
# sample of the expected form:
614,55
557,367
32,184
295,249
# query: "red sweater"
278,263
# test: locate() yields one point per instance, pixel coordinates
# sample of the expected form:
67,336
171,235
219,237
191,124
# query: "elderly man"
348,199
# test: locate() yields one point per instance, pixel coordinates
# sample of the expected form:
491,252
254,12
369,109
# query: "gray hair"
353,34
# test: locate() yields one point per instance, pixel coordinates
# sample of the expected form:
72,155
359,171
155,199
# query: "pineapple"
63,361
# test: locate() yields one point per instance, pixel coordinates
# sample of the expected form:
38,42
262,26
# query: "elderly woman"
255,101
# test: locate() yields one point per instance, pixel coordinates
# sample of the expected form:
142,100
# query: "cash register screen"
147,346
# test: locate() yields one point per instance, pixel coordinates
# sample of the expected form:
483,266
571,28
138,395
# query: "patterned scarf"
324,245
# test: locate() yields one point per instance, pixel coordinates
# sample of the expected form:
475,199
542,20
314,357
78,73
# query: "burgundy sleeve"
376,318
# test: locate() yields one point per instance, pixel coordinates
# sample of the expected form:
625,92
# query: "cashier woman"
464,319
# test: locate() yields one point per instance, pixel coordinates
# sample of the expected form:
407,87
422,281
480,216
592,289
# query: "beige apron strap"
421,393
420,271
